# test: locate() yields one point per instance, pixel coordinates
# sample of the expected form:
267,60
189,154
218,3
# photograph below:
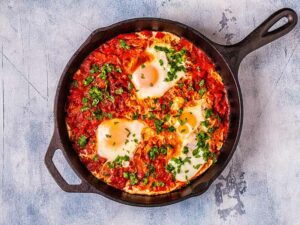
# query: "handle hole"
63,167
280,23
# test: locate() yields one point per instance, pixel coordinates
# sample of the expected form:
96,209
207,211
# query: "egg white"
198,112
188,170
161,86
133,132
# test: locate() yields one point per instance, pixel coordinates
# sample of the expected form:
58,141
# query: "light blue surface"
260,184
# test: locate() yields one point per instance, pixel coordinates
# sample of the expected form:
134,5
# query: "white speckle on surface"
259,186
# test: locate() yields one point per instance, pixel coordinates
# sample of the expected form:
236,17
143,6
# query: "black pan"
227,59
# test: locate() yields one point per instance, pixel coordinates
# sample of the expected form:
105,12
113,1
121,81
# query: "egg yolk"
183,129
189,118
117,134
148,75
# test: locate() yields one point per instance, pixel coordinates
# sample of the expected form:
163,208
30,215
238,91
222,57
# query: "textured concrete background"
260,184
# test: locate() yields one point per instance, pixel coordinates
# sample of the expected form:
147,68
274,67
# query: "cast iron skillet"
227,59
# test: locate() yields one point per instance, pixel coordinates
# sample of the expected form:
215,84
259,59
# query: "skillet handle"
54,145
259,37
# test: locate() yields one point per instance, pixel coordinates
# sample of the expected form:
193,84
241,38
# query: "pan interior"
100,36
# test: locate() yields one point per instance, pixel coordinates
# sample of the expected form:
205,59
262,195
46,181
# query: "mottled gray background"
259,186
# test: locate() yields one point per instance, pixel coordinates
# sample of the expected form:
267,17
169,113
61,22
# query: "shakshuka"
147,112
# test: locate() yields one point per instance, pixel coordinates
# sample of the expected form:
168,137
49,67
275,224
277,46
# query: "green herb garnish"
123,44
171,128
82,141
205,123
161,62
119,91
202,91
145,181
135,116
163,149
133,179
88,80
153,152
175,60
94,69
84,108
185,149
208,113
197,166
119,70
202,82
158,125
126,175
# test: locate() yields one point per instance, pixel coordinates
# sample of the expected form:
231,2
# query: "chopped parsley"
160,183
82,141
94,69
158,125
95,101
185,149
111,165
197,166
161,62
123,44
88,80
126,175
120,159
119,70
153,152
84,108
208,113
211,129
130,86
145,181
135,116
180,84
95,93
96,158
171,128
150,171
203,147
119,91
98,114
133,179
106,68
84,100
109,115
175,60
202,91
205,123
163,149
167,117
170,168
202,82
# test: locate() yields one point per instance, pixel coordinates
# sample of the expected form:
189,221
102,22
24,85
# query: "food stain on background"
226,19
228,194
163,3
